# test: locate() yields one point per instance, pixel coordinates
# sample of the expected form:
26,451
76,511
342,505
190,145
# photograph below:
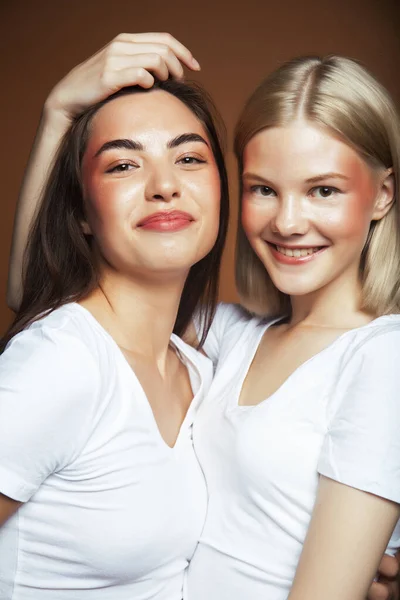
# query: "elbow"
12,298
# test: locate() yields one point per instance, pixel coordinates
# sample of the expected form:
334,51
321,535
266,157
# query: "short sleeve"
362,445
226,316
48,385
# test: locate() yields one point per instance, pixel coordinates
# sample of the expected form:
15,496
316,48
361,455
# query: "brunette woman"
101,492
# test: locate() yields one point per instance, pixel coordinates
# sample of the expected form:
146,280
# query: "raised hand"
129,59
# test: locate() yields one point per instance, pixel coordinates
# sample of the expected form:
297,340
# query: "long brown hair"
59,266
342,96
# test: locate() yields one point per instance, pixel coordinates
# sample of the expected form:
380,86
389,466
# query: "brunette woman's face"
308,203
151,185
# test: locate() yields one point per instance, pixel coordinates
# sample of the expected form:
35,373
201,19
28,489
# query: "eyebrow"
123,144
127,144
323,176
184,138
257,177
314,179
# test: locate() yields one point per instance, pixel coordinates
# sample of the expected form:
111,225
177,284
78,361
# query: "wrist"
54,119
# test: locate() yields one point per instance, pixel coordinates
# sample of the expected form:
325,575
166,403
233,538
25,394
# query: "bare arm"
130,59
51,129
7,508
348,534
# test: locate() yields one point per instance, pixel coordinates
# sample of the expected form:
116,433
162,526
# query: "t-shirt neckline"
300,368
193,371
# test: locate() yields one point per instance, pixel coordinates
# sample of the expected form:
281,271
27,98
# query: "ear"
385,196
86,228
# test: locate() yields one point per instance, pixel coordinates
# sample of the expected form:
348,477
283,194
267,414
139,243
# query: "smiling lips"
173,220
293,256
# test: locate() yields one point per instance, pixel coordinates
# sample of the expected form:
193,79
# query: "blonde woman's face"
308,203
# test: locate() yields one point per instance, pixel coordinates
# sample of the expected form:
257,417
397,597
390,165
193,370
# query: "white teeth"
296,252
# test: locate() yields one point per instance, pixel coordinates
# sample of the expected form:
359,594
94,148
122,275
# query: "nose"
163,185
290,218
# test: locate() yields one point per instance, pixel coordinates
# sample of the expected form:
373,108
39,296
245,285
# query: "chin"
171,266
295,288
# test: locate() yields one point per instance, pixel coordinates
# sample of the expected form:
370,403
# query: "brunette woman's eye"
191,160
324,191
262,190
121,168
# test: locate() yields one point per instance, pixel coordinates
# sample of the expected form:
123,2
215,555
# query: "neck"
139,314
336,305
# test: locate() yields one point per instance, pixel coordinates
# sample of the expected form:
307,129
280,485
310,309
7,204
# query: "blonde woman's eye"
262,190
324,191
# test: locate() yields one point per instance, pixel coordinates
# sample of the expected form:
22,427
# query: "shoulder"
232,322
368,382
60,342
376,345
387,326
50,400
232,311
234,316
231,325
70,321
361,448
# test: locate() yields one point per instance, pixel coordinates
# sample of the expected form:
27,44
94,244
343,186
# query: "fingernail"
195,64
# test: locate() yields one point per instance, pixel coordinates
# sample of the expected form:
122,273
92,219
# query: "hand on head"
129,59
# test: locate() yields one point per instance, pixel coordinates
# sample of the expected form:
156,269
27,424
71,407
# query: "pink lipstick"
169,221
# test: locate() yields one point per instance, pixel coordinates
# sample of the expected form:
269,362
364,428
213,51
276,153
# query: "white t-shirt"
112,512
338,414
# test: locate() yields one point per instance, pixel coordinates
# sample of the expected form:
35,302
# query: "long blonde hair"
339,94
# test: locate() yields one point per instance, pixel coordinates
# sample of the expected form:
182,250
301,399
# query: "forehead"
140,115
301,148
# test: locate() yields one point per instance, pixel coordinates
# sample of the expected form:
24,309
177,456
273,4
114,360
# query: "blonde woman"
298,437
261,456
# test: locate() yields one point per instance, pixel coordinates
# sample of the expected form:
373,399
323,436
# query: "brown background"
237,43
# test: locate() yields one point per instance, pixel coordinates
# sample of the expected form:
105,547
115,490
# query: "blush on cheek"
89,186
96,203
251,219
96,189
349,220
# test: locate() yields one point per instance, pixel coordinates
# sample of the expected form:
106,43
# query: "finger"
388,567
117,80
119,49
182,52
379,591
150,62
173,63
